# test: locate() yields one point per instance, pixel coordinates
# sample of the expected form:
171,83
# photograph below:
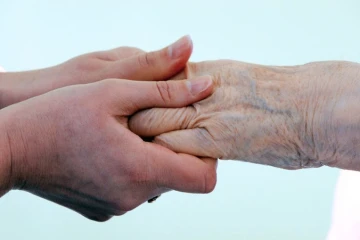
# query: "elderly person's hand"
124,62
73,146
287,117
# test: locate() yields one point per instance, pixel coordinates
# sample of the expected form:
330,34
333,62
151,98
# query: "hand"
287,117
124,63
72,146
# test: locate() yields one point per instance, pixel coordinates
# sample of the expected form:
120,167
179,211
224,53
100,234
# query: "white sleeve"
346,208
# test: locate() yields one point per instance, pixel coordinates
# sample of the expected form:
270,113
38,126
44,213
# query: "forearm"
333,114
19,86
338,136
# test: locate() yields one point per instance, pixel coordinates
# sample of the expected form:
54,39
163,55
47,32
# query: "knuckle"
163,88
187,119
125,52
107,95
145,60
107,85
138,176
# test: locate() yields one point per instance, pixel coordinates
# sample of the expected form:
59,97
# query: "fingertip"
122,53
179,53
200,85
211,174
181,48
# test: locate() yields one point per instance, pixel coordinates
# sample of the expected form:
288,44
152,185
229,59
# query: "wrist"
16,154
27,136
19,86
5,158
3,89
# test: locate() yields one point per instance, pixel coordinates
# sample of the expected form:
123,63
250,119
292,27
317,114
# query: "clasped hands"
80,146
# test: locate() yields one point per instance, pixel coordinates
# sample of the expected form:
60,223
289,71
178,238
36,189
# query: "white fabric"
346,208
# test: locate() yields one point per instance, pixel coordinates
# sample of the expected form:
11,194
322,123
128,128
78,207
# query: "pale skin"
64,133
288,117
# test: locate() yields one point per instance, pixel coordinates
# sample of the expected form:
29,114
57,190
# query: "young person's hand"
73,147
123,63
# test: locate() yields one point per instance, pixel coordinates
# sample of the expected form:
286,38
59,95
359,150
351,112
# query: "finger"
157,65
181,172
155,121
197,142
127,97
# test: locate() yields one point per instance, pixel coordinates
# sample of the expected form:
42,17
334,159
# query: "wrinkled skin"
288,117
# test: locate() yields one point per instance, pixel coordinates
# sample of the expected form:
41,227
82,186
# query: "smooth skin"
122,63
288,117
72,145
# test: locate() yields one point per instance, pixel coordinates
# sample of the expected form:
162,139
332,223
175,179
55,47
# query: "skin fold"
288,117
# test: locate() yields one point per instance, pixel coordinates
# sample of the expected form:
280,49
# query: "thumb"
132,96
157,65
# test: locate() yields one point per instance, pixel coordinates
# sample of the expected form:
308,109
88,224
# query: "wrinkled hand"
123,63
287,117
72,146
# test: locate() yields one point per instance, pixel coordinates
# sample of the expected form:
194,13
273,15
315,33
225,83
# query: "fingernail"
199,84
176,49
